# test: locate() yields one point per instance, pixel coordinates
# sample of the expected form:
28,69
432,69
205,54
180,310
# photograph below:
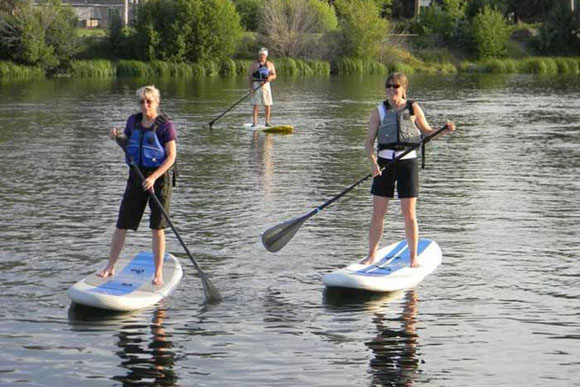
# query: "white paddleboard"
130,288
391,272
270,129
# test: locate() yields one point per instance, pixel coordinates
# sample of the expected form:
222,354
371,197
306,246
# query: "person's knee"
159,233
379,213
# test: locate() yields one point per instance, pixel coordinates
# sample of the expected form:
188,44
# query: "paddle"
212,295
278,236
234,105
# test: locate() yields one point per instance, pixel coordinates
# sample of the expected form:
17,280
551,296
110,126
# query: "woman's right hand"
375,170
114,133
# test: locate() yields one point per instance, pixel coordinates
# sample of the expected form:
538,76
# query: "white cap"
263,50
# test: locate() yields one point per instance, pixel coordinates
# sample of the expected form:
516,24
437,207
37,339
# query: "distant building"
98,13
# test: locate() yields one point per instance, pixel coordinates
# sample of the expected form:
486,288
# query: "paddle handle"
234,105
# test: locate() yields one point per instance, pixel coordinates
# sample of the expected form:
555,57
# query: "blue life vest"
144,146
262,73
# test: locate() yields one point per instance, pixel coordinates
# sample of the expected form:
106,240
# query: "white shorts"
262,96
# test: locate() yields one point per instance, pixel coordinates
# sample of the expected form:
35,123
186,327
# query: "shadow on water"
395,359
145,349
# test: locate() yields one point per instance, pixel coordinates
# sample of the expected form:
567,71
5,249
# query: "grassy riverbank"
102,68
288,66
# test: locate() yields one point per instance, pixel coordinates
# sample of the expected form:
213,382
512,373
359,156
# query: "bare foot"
106,272
414,263
367,261
157,280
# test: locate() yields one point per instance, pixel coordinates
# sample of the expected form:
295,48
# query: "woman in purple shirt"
150,139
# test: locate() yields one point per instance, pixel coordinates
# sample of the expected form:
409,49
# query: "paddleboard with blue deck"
270,129
130,288
391,272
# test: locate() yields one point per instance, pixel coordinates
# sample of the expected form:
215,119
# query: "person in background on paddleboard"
261,73
154,129
397,124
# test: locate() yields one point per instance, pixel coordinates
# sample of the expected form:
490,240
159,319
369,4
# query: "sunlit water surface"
500,196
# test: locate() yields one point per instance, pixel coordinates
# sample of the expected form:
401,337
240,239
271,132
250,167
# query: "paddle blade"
278,236
212,295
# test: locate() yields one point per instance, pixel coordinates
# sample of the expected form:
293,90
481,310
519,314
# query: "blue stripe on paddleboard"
402,244
140,269
402,261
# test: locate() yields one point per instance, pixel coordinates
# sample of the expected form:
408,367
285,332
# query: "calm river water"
501,197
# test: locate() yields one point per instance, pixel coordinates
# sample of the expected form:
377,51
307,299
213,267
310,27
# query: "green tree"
490,33
118,37
532,10
186,30
384,6
475,7
43,35
560,33
445,20
362,29
325,19
249,11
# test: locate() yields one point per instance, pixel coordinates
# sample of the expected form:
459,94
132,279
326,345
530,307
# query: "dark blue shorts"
405,173
135,200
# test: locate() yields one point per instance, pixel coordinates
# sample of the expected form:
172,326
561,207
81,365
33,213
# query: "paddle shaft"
406,152
234,105
166,215
278,236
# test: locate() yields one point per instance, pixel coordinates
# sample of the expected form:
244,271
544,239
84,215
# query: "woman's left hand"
450,127
148,184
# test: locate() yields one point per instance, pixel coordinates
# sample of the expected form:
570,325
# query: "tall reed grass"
227,67
351,66
289,67
92,68
533,65
13,70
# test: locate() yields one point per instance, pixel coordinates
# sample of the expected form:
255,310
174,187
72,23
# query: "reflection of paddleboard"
130,288
270,129
391,272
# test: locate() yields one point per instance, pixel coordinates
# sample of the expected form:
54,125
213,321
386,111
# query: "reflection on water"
395,359
145,350
263,149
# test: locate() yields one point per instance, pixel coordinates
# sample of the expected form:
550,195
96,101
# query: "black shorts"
135,199
404,172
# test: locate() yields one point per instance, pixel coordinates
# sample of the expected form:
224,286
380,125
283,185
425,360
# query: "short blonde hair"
148,91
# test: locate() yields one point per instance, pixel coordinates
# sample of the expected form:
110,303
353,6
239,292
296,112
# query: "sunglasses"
395,86
146,101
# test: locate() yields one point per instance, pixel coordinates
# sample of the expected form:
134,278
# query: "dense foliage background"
341,32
